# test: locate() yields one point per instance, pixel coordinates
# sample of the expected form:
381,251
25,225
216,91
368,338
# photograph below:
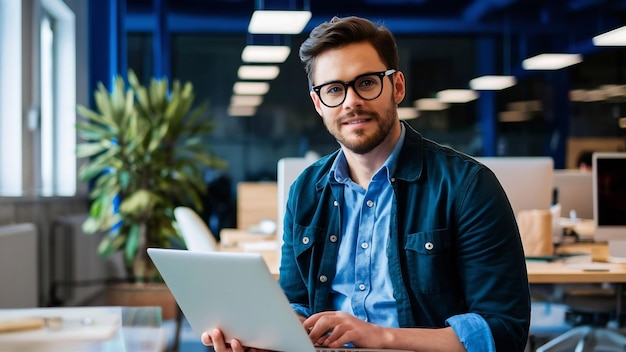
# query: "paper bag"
535,227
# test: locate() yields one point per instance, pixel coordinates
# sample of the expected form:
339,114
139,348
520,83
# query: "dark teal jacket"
454,244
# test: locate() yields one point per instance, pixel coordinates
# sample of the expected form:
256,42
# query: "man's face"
358,124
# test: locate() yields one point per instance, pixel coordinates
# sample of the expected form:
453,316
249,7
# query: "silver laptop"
236,293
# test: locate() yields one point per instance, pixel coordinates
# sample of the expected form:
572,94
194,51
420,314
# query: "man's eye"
367,82
334,89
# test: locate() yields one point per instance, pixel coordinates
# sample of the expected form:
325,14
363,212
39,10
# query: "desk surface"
584,271
84,329
562,272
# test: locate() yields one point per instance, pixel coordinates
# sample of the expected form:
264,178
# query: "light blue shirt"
362,285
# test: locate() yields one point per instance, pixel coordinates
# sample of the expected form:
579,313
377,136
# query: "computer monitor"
609,202
574,190
527,181
288,169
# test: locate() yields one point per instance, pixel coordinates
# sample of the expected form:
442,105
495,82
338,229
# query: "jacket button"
362,287
333,238
336,203
323,278
369,203
429,245
305,240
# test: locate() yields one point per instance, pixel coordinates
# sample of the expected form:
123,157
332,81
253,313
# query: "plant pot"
143,295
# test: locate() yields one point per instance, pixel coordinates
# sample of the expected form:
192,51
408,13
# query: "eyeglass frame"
381,74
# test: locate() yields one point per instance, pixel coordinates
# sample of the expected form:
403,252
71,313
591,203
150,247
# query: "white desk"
85,329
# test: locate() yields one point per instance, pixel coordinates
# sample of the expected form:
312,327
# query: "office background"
443,44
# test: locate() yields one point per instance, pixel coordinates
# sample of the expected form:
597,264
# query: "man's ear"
399,87
316,102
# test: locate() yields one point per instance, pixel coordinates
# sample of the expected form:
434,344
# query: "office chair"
195,232
591,311
198,237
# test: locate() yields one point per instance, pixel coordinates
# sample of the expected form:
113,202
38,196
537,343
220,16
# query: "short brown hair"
339,32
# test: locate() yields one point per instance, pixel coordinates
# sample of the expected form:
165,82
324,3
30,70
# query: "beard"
361,141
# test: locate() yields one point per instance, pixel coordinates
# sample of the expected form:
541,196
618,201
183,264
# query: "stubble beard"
360,142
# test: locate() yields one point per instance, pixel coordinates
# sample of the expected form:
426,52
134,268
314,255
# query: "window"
10,98
57,66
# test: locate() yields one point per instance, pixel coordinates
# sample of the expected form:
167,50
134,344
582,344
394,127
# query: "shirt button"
362,287
364,245
323,278
393,179
429,245
336,203
370,203
305,240
333,238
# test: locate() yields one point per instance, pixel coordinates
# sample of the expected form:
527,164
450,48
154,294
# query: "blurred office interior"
55,52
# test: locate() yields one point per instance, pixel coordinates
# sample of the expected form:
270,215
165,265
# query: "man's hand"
216,339
335,329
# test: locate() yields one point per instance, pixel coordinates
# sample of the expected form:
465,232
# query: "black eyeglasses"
368,86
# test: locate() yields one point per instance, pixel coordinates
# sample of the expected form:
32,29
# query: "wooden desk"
560,272
232,238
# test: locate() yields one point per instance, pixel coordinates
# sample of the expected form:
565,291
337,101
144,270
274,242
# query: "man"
394,241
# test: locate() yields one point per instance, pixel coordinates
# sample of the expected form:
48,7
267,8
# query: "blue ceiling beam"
203,23
479,8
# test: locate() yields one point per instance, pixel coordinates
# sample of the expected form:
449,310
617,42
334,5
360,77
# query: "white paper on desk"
259,246
592,266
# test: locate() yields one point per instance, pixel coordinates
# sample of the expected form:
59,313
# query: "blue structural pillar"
556,107
107,42
486,106
161,40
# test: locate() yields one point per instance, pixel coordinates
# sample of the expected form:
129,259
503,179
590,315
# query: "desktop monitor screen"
527,181
609,196
574,192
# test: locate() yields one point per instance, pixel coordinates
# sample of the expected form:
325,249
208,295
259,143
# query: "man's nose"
352,98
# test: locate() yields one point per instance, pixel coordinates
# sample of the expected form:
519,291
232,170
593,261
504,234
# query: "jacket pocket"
305,237
430,267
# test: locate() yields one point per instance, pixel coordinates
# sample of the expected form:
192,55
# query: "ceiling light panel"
241,110
616,37
278,22
407,113
258,72
457,95
251,88
265,53
246,100
551,61
492,82
430,104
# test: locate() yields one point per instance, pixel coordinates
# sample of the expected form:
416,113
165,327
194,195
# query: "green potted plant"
147,150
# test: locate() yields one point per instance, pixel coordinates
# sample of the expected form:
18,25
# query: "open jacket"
454,245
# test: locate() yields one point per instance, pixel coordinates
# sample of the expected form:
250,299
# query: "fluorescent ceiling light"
246,100
492,82
241,110
258,72
407,113
251,88
265,53
430,104
551,61
616,37
457,95
278,22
